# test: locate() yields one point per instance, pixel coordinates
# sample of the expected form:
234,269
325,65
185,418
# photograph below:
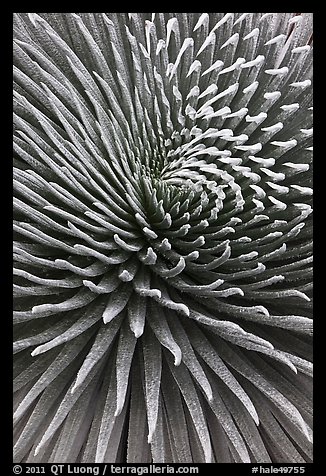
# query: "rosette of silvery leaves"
162,237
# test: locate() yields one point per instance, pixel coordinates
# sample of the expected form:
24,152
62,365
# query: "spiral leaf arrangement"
163,244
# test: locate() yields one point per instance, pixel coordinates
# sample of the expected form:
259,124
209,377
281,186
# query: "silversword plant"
163,238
